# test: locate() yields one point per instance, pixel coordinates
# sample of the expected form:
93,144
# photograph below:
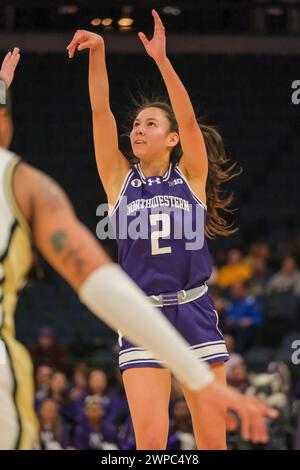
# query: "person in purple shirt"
117,411
43,376
79,391
94,433
126,439
242,317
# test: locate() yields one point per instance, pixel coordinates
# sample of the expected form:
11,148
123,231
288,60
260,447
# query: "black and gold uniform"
18,427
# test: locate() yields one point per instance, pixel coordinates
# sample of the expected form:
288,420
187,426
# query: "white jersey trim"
143,178
165,177
114,207
205,351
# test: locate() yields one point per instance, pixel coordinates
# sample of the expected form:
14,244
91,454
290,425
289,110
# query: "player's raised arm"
194,159
9,65
111,163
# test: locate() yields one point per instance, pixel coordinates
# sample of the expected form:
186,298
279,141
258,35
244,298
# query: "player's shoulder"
33,187
33,181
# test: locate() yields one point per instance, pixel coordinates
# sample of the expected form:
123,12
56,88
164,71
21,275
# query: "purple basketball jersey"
159,225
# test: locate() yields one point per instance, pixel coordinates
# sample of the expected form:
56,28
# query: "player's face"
150,136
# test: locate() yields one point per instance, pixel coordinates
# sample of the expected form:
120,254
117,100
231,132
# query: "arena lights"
107,22
68,9
96,21
171,10
275,11
126,21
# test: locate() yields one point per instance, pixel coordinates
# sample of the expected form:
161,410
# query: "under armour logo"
151,181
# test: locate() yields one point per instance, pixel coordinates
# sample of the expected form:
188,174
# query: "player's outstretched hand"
250,409
9,65
156,47
84,40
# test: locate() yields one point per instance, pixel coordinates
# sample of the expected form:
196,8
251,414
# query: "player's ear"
173,139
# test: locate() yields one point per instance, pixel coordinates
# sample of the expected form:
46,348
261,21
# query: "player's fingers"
71,51
264,409
14,61
16,51
6,58
158,24
143,38
245,425
258,429
15,57
84,45
77,38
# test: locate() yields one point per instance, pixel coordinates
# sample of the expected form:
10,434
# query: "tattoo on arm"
58,240
71,255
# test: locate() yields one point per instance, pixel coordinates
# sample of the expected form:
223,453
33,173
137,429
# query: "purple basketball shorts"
196,321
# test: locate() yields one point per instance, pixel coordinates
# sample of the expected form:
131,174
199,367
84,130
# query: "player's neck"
154,168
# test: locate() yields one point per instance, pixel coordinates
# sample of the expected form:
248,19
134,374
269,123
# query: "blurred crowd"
257,296
85,413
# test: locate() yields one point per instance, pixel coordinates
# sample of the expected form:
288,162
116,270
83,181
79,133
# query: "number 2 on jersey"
157,234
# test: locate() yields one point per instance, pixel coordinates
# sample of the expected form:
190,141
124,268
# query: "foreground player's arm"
194,159
111,163
114,298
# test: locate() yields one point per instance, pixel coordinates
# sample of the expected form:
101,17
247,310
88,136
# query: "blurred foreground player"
34,209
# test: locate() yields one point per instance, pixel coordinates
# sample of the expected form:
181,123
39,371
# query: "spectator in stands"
48,351
59,393
53,434
242,317
260,250
287,279
176,394
181,433
235,270
239,378
98,386
79,391
260,277
296,412
42,380
118,410
234,357
296,437
126,438
94,433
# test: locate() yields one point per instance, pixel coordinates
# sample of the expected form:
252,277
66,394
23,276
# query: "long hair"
219,168
57,427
